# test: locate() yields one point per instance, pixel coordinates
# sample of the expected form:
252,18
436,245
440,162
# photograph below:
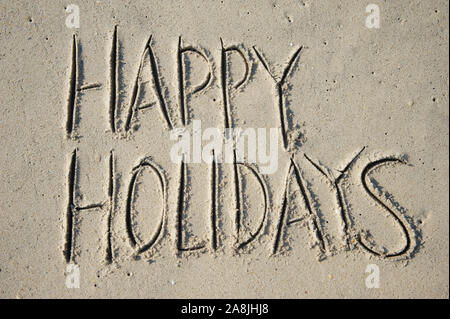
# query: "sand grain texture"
71,148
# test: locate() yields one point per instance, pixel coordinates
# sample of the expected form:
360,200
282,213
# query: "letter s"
369,167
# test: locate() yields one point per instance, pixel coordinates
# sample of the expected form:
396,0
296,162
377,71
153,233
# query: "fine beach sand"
84,182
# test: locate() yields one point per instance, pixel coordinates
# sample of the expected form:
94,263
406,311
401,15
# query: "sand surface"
83,182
